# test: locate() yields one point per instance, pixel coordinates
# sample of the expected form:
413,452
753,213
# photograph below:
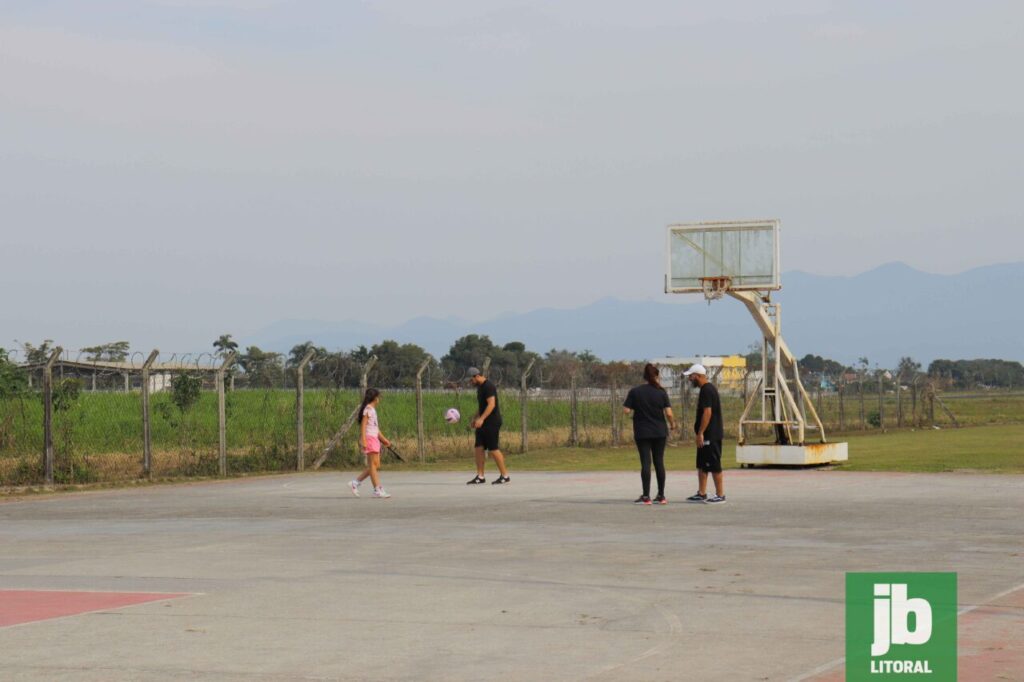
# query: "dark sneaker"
715,499
643,499
499,480
477,479
697,498
660,499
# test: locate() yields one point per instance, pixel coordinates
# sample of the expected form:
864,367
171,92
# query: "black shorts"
487,437
709,457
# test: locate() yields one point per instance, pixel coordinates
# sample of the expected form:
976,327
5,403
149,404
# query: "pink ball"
452,416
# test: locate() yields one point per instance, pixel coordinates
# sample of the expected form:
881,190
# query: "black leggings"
652,448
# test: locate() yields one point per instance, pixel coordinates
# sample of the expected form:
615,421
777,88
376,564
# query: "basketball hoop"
714,287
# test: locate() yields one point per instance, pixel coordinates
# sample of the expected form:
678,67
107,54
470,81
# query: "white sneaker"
381,493
354,484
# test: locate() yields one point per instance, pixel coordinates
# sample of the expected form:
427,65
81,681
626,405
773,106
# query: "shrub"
185,389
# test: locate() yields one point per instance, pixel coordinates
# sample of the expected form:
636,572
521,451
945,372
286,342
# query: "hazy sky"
174,169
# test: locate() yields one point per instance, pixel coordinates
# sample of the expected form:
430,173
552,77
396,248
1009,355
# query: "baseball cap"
473,371
695,369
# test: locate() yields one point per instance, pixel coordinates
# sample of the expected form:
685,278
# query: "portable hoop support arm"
778,406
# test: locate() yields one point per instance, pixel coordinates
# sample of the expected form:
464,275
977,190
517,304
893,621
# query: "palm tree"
225,344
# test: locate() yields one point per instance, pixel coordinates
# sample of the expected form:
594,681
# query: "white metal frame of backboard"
745,251
750,280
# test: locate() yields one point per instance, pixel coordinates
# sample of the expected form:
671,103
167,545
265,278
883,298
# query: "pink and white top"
372,429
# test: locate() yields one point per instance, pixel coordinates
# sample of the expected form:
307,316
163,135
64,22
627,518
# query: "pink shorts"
372,445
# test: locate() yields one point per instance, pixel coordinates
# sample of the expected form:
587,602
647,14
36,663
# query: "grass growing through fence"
100,436
265,420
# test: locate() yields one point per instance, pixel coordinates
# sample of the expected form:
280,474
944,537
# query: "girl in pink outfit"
370,439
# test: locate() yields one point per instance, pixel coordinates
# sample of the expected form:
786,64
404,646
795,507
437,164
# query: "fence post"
899,401
486,367
574,435
364,378
147,444
613,397
300,424
222,415
860,396
913,403
684,399
523,433
881,403
48,415
841,391
421,438
684,402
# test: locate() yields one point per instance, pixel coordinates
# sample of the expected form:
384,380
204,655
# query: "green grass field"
111,422
993,449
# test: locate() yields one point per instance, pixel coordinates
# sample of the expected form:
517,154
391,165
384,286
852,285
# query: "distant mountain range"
883,314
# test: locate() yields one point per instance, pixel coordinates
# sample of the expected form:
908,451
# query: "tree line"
397,364
950,374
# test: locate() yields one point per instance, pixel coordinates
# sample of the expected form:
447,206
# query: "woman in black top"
650,407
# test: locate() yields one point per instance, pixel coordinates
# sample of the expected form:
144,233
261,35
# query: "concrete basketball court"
553,577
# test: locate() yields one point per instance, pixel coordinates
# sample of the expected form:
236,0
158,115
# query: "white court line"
968,609
839,661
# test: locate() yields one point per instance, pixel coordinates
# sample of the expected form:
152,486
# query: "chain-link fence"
72,417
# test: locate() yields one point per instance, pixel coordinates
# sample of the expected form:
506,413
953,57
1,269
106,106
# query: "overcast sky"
174,169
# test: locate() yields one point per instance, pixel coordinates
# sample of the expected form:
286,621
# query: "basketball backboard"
746,252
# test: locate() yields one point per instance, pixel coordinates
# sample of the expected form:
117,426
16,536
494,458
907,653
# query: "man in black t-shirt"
488,426
707,427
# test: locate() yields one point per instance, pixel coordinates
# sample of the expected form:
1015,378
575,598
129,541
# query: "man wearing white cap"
708,428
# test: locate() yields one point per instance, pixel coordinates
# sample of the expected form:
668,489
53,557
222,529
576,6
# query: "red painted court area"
26,606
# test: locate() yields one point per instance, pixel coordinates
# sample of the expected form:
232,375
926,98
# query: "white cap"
695,369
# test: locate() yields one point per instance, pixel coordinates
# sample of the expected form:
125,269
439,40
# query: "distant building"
726,371
160,381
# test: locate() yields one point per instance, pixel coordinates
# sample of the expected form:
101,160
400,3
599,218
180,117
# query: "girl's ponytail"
371,395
